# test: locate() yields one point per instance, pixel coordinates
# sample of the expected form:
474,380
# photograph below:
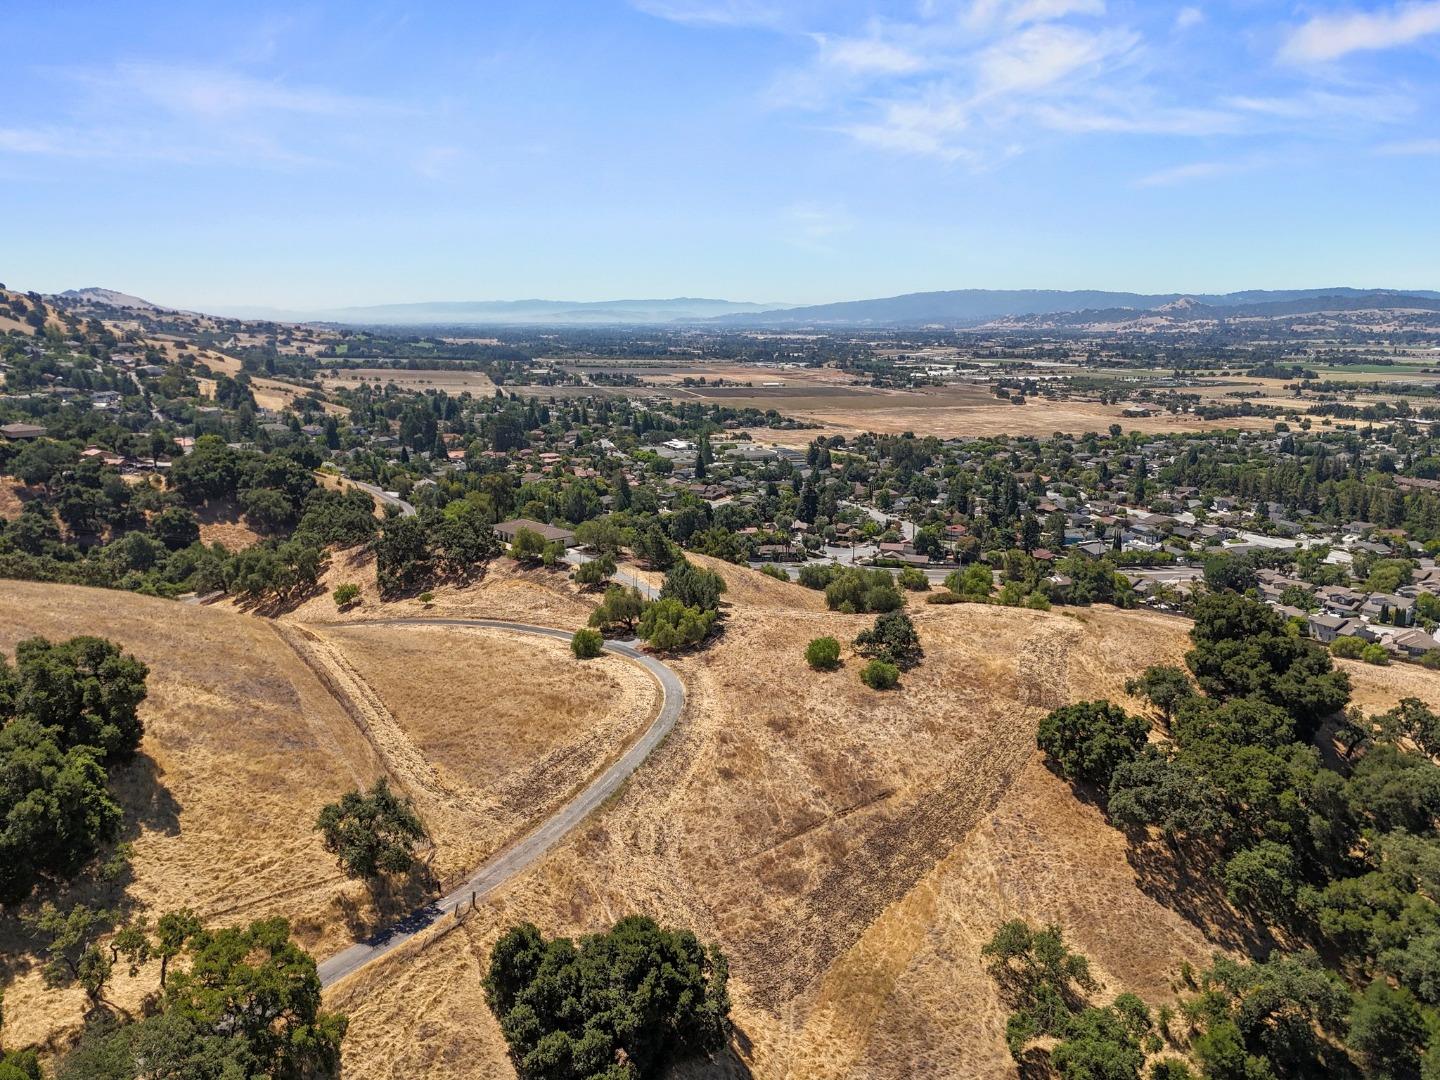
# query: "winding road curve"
506,864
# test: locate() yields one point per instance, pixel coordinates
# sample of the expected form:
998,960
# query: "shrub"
426,598
1089,740
346,594
880,675
913,579
823,654
1375,653
778,573
972,583
858,591
1349,647
587,644
945,597
668,624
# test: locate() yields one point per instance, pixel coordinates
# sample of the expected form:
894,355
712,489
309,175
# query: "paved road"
508,863
406,510
576,557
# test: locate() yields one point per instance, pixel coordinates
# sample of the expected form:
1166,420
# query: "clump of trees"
68,710
622,1005
245,1001
853,590
1345,855
416,552
373,833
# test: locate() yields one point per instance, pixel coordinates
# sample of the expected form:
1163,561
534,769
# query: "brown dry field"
485,750
946,412
453,382
850,850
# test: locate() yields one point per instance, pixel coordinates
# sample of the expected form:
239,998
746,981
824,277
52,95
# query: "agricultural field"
450,381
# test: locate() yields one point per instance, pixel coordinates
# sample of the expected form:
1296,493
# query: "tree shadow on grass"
1190,889
386,901
1187,886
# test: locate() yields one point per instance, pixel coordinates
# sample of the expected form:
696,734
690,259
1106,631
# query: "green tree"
597,571
1091,739
1388,1031
1163,686
373,833
70,941
693,586
621,607
892,639
626,1003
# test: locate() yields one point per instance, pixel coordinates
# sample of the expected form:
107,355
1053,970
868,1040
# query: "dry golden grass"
505,591
13,496
851,851
506,724
243,746
222,523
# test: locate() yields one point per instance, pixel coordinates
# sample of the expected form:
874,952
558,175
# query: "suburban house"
507,530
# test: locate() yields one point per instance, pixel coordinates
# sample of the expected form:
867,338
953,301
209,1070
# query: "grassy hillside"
849,850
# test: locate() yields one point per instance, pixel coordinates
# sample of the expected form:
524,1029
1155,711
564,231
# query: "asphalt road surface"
511,861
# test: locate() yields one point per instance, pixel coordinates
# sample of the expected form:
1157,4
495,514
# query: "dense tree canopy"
621,1005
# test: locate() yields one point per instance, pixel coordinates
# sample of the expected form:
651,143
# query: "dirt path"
512,860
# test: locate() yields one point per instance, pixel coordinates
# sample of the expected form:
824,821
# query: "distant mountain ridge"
516,312
977,308
973,307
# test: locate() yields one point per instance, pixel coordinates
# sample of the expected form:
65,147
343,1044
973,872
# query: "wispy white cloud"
1412,148
1332,36
867,56
1189,173
715,12
1038,57
218,92
1187,18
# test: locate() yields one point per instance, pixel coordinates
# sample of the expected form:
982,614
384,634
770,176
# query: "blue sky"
314,154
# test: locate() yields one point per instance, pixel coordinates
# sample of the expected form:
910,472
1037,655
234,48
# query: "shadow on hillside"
386,901
1189,889
729,1064
147,802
